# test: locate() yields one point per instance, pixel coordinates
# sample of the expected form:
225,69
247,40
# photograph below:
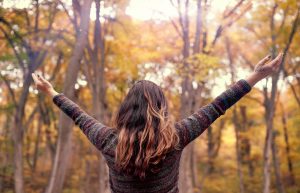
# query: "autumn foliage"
94,50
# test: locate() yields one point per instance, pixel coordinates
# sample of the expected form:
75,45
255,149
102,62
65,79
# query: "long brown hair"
145,132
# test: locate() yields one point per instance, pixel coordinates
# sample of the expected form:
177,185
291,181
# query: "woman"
144,147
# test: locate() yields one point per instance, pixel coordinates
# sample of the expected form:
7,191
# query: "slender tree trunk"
103,176
100,47
35,58
185,179
87,186
287,147
266,155
18,129
50,144
18,156
103,168
210,151
269,141
236,122
188,177
213,147
94,72
276,165
36,145
237,126
245,142
270,103
63,148
196,50
4,147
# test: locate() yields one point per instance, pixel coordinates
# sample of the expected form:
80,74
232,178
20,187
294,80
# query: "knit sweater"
104,138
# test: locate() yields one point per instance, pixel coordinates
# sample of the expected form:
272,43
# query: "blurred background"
94,50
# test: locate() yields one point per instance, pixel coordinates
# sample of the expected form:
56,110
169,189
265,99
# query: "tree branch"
10,90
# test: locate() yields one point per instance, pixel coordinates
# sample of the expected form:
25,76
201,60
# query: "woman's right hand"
43,85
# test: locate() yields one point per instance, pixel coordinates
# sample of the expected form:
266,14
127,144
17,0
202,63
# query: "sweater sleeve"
193,126
95,131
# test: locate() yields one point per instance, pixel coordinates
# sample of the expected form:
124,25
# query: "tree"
269,103
21,45
63,148
94,73
188,96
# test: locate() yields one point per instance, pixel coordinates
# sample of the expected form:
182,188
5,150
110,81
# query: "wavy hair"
145,132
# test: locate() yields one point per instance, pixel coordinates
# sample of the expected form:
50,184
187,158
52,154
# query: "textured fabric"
166,180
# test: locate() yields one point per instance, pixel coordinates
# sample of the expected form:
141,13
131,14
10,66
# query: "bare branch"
291,36
248,62
176,28
10,90
283,19
227,14
11,43
36,19
234,17
23,42
58,64
198,28
30,118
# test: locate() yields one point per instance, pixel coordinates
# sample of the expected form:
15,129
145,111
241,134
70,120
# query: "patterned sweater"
166,180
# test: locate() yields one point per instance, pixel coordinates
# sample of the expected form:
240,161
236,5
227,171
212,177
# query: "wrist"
52,93
254,78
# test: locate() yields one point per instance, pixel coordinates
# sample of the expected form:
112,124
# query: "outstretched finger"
276,62
34,77
279,56
37,82
264,60
280,59
42,79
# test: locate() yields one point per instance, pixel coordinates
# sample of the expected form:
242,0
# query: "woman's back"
165,180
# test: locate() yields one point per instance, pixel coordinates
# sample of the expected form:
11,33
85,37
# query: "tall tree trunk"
185,179
213,145
196,50
36,144
266,153
287,147
238,150
269,113
35,58
4,147
18,128
236,122
269,103
63,148
276,165
245,142
99,51
94,73
188,177
18,156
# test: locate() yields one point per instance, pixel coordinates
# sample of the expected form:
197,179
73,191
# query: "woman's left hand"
265,67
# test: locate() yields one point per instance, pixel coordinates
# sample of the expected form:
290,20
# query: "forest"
93,51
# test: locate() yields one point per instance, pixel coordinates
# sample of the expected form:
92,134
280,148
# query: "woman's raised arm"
194,125
95,131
